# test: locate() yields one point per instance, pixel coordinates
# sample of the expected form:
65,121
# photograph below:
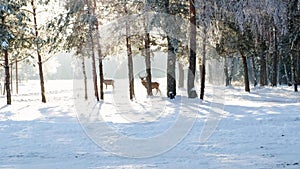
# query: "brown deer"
109,82
154,85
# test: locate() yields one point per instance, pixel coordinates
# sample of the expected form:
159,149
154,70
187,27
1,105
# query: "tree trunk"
148,64
40,64
17,78
181,75
254,72
192,59
246,76
231,70
293,21
226,71
171,76
94,71
263,69
298,63
130,61
288,81
171,61
11,78
7,77
202,88
99,52
84,77
294,72
275,59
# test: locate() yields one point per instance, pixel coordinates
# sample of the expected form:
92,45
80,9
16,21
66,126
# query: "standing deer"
154,85
109,82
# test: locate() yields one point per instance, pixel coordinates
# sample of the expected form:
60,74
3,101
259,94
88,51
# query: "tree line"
263,35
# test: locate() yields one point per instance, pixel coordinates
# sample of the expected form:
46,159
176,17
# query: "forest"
261,37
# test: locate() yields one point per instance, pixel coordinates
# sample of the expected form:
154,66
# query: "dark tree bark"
231,70
192,59
148,64
99,52
246,74
275,59
7,77
263,71
289,83
40,63
84,77
294,73
254,71
17,77
202,87
11,78
226,71
130,61
181,75
91,37
293,21
171,76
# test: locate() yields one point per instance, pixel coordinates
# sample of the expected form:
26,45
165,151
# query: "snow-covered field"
257,130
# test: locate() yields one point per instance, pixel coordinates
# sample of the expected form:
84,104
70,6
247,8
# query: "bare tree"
40,64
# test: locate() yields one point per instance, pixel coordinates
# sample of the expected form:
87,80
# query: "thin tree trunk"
275,59
231,70
298,63
101,76
40,64
246,75
181,75
11,78
84,77
294,72
7,77
130,61
288,81
202,88
93,51
148,64
254,72
280,76
192,59
17,78
226,71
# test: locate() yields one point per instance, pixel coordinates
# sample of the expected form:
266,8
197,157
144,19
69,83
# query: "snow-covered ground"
257,130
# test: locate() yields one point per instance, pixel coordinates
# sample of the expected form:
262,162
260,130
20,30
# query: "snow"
4,45
233,129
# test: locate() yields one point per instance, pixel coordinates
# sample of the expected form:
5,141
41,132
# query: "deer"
109,82
154,85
